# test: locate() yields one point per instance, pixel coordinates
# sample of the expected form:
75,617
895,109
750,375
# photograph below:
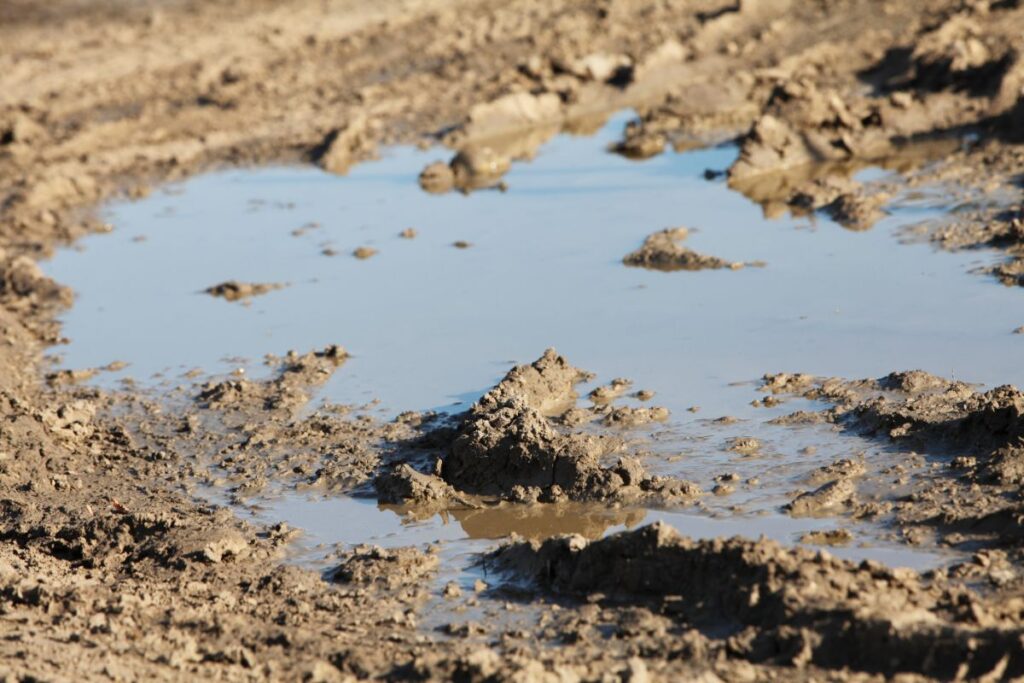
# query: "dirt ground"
111,570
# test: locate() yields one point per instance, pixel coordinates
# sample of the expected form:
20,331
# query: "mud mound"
510,445
805,608
24,285
663,251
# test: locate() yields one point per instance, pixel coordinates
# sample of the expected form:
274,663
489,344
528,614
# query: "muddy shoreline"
112,569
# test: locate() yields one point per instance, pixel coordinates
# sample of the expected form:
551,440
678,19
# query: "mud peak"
509,446
546,385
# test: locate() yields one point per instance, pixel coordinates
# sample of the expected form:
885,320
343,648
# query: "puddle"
431,326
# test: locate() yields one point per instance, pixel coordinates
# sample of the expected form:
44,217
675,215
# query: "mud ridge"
783,606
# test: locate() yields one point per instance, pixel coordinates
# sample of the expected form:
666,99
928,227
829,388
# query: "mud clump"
22,282
611,391
346,145
508,441
824,499
785,606
471,169
233,290
371,565
663,251
287,391
831,537
627,416
509,446
975,440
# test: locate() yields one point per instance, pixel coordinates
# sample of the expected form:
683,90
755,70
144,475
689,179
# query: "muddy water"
431,326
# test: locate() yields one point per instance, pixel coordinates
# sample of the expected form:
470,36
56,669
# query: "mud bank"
779,606
510,445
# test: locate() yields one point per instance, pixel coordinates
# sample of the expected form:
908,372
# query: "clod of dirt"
745,445
437,178
787,383
406,484
663,251
473,168
478,167
363,253
641,147
823,500
287,391
371,565
21,278
626,416
510,446
611,391
233,290
830,537
840,469
346,145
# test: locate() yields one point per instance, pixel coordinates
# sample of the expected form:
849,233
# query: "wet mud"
510,446
232,290
776,605
663,251
114,567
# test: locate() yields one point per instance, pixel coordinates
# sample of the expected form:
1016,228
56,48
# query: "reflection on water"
545,521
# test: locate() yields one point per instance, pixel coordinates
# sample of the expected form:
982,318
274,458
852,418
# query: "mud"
510,446
111,569
964,465
663,251
232,290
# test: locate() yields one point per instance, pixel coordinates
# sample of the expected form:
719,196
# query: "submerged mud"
778,605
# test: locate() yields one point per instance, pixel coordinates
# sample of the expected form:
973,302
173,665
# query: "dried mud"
111,569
